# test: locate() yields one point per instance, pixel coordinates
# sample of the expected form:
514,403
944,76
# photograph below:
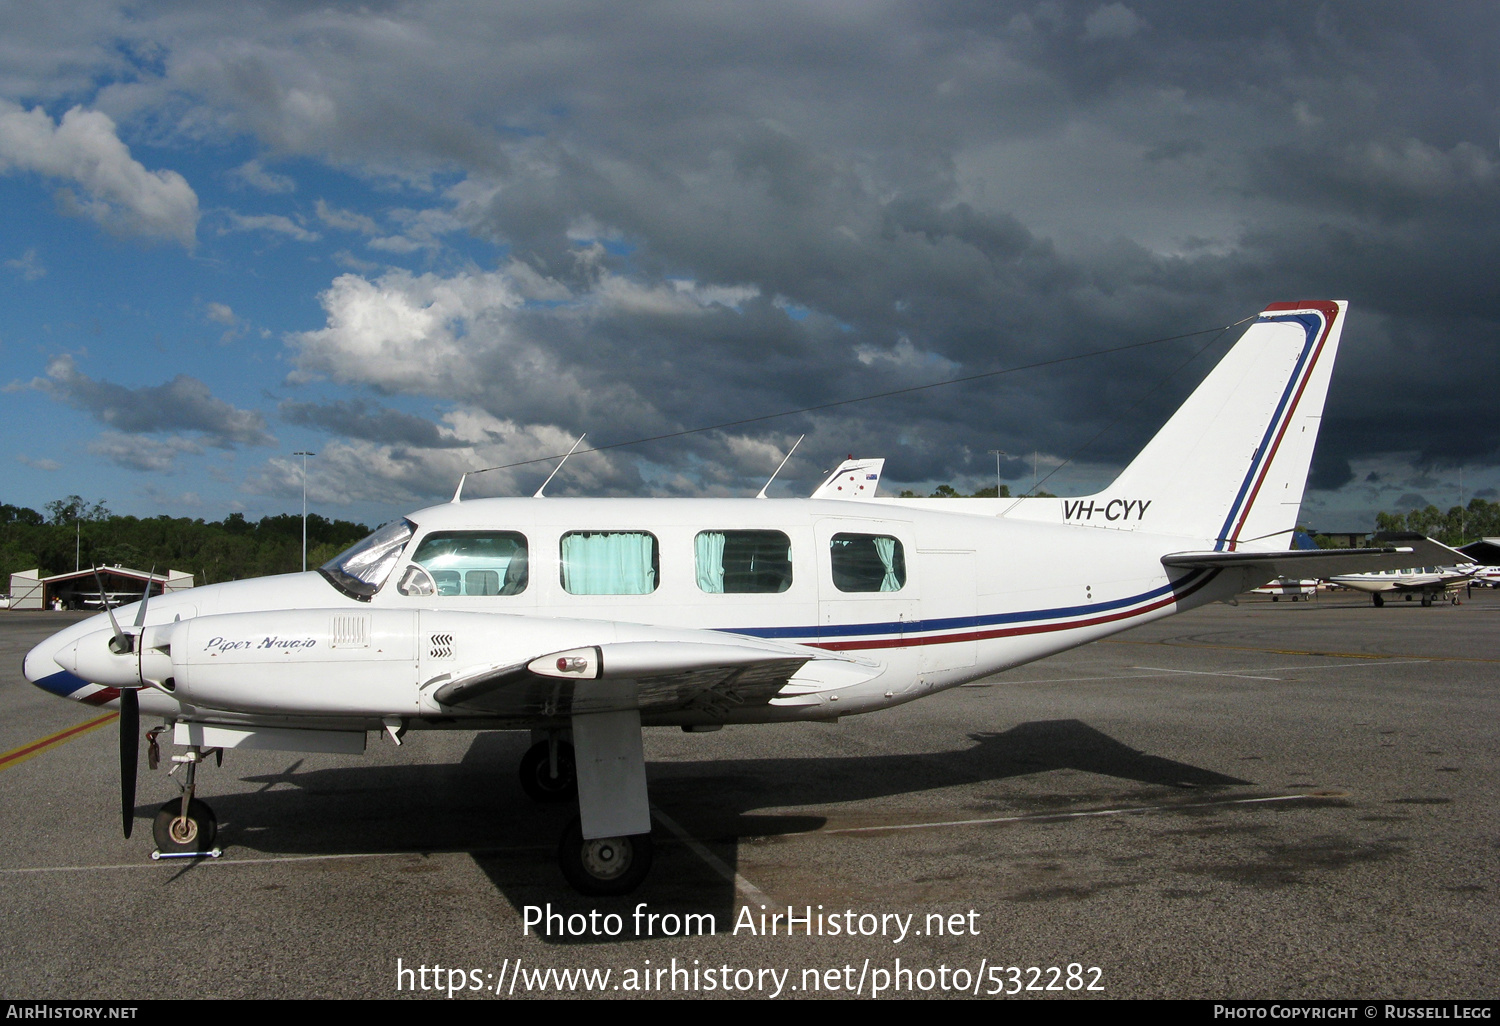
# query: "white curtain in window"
609,563
885,548
708,547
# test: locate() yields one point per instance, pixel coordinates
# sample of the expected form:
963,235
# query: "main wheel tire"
606,866
537,779
1379,600
174,834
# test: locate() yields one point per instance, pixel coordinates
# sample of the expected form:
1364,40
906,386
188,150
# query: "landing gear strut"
186,825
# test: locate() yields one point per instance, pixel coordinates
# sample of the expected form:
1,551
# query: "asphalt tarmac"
1274,800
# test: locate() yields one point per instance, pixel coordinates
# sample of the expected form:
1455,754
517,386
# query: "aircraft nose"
44,667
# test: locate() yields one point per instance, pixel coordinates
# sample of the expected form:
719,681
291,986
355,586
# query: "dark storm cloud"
182,404
905,193
357,418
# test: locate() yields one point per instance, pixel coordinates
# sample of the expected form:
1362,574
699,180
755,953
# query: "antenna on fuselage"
762,493
456,493
559,466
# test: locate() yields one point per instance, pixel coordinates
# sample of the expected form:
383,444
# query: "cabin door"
867,594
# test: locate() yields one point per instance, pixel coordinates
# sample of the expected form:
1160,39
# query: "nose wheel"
177,833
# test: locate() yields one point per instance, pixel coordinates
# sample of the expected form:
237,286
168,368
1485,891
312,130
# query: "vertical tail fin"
1231,464
854,479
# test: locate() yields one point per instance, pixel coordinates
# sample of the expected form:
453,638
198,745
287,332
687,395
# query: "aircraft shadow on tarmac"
477,806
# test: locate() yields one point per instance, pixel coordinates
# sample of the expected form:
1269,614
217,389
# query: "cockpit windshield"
362,568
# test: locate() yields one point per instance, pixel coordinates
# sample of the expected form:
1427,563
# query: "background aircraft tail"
1230,466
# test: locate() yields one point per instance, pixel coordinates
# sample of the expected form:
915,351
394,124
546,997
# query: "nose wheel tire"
176,834
604,866
537,779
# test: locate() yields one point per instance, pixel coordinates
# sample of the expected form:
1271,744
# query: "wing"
652,676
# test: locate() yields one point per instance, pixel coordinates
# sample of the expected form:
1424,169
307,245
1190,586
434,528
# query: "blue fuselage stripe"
913,627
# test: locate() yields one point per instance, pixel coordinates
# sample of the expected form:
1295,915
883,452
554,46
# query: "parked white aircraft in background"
1428,582
585,620
1294,587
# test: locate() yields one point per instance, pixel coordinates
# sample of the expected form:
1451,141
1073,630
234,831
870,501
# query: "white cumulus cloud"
116,190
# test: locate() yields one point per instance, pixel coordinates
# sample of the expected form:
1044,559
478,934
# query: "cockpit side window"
361,569
468,563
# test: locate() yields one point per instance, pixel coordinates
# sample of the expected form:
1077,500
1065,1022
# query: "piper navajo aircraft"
587,620
1430,583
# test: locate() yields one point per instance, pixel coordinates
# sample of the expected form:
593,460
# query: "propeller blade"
140,625
130,748
121,642
140,614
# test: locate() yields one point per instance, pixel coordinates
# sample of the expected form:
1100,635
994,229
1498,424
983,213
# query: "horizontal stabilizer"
1403,551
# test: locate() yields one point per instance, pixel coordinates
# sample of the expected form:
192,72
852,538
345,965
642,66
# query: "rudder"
1231,464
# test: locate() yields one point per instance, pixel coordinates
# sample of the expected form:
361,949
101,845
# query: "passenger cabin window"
868,562
609,563
467,563
743,562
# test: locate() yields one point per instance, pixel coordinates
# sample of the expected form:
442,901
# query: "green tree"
75,507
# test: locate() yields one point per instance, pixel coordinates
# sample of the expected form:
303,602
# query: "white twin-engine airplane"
585,620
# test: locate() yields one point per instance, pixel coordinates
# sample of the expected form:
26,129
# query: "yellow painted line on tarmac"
16,756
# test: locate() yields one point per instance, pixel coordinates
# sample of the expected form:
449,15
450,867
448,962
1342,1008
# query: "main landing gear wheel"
606,866
536,774
1378,599
174,834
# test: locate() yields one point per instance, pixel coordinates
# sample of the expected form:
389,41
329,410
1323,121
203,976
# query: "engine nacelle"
299,662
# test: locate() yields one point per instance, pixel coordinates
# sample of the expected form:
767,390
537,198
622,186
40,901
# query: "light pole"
997,453
304,454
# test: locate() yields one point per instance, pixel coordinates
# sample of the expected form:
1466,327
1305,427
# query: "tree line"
72,529
1459,525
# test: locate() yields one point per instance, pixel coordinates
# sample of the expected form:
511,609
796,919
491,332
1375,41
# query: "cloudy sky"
425,237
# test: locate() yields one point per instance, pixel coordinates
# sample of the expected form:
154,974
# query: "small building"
80,588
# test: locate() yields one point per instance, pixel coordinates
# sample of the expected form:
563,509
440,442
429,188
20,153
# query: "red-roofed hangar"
80,589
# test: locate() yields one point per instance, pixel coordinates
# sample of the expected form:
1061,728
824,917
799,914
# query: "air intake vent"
442,646
351,630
